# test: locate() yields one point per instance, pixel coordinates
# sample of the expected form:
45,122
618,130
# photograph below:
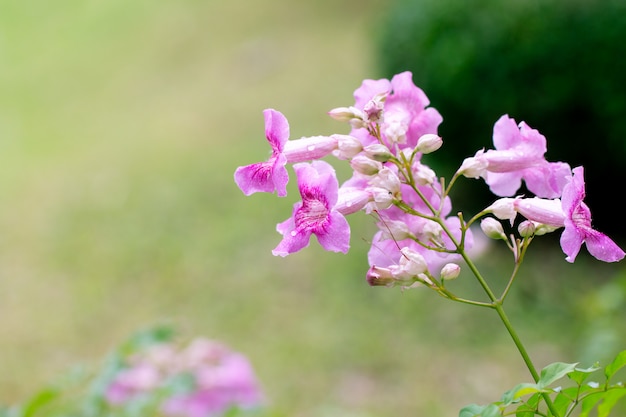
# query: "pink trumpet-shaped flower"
271,175
578,225
316,214
519,155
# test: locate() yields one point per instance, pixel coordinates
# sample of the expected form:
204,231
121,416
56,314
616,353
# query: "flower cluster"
419,240
202,379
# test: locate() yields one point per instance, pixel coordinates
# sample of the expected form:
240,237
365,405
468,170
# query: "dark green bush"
558,65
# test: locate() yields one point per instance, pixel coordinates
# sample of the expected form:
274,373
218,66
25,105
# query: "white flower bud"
387,179
378,152
366,166
429,143
492,228
526,228
503,209
347,146
412,262
423,174
350,114
382,197
473,167
450,271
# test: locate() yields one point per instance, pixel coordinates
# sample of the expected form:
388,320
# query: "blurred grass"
121,124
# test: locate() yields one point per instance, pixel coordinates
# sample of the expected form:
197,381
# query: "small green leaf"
472,410
39,401
514,394
616,365
492,410
529,408
564,398
579,375
554,372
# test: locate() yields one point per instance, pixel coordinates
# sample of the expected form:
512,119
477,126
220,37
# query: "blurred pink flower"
221,378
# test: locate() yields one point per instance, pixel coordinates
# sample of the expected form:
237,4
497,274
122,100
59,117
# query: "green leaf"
529,408
616,365
610,399
514,394
492,410
579,375
472,410
564,398
39,401
590,402
554,372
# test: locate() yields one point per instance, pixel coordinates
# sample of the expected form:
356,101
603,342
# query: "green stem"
497,305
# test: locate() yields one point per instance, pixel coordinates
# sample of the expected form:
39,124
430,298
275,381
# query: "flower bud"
423,175
373,109
382,197
412,262
503,209
526,228
347,146
366,166
388,180
450,271
352,199
350,114
378,152
492,228
473,167
429,143
377,276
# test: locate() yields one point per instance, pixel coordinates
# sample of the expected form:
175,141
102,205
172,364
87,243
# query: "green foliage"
530,399
554,64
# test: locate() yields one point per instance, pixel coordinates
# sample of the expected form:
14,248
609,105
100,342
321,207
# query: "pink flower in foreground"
316,213
519,155
271,175
578,225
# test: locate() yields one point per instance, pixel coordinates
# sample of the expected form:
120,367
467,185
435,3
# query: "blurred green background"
121,124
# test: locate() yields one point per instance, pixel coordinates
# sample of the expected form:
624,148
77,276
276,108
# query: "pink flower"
519,155
578,225
271,175
569,212
316,213
406,116
221,379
